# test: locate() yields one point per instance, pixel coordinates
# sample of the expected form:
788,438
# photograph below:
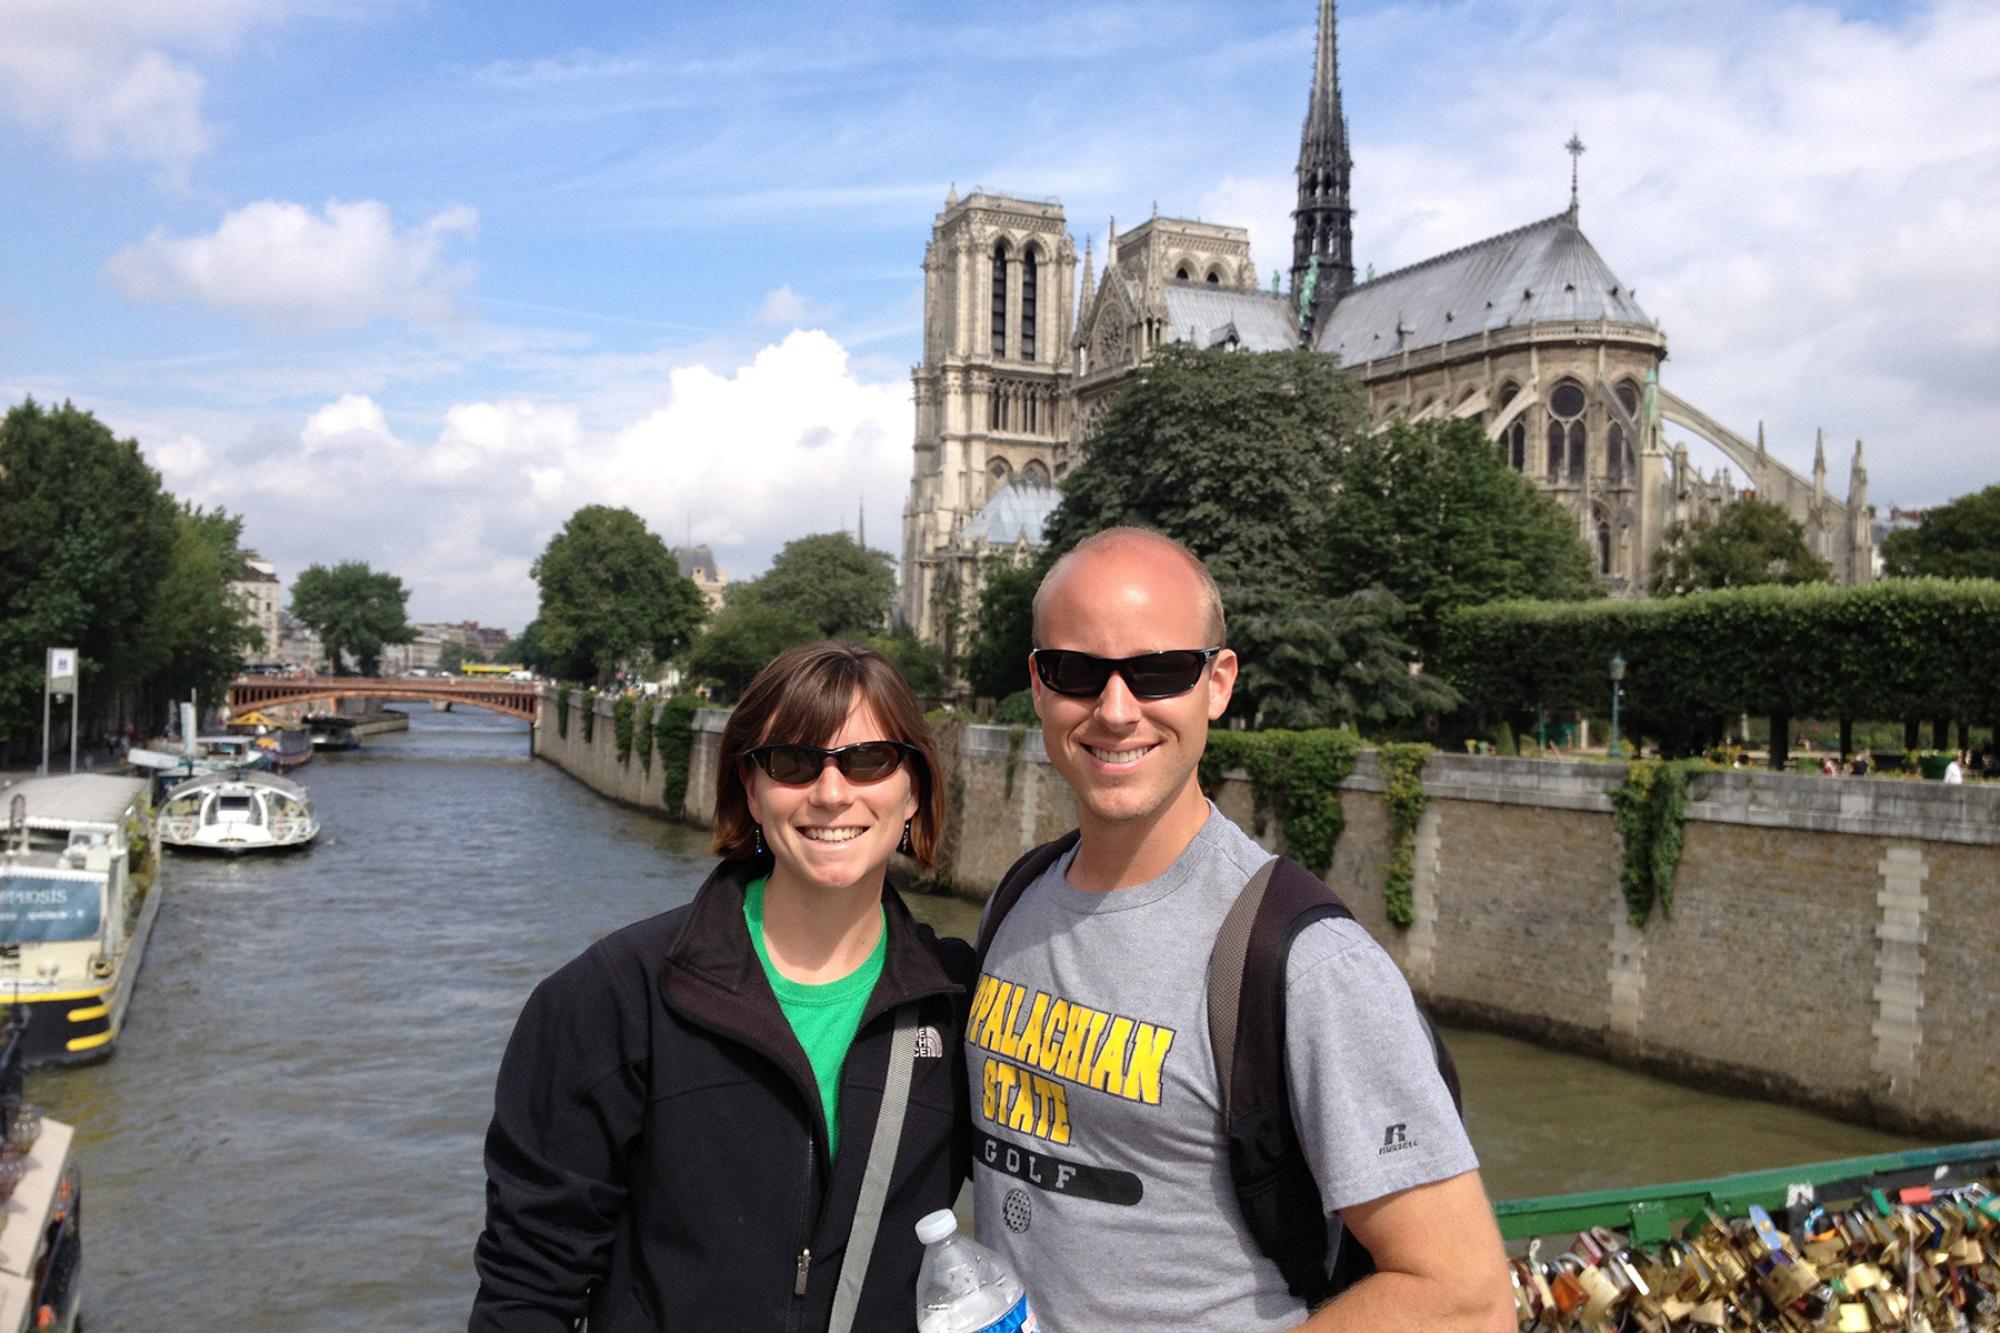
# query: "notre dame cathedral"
1528,332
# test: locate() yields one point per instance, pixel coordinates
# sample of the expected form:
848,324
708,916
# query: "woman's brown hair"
804,697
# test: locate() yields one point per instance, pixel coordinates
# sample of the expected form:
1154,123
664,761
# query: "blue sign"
40,909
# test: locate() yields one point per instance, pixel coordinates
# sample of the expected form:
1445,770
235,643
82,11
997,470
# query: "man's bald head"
1142,542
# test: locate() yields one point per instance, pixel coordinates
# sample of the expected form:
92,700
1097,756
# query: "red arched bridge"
514,698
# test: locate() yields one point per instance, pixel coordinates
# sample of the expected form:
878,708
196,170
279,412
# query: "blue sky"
408,282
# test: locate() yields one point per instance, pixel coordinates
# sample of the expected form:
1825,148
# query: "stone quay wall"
1833,943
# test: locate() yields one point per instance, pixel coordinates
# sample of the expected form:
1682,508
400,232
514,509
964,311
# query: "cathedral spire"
1323,222
1089,278
1576,150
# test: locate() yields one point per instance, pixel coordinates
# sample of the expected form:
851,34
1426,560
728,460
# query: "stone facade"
1528,332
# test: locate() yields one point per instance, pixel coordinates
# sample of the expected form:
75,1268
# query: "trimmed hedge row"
1900,649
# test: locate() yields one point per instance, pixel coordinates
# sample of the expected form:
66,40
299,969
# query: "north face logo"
1394,1139
930,1046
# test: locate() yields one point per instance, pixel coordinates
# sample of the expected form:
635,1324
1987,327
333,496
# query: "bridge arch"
509,698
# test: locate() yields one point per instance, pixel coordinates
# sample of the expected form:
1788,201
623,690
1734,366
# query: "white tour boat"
77,904
238,812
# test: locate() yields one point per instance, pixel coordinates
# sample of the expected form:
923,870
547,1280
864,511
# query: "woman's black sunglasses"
799,765
1148,676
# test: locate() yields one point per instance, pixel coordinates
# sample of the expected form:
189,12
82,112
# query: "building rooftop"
1017,510
1207,313
1545,272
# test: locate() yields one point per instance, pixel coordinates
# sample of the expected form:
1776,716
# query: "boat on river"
41,1202
78,856
286,744
239,812
333,731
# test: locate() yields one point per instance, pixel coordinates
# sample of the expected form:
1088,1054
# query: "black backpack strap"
1281,1202
1015,883
1274,1182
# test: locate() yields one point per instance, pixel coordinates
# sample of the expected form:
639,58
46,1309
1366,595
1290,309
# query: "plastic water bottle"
963,1287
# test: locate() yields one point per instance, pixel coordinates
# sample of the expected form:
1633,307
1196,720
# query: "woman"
685,1112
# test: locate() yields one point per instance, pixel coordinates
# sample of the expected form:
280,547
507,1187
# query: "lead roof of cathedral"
1263,321
1018,509
1545,272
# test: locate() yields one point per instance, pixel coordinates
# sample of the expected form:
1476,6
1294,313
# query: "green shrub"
1295,777
674,734
1017,710
621,726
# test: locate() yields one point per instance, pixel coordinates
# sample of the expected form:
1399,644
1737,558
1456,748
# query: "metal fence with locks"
1898,1241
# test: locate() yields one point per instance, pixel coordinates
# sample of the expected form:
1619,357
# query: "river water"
288,1135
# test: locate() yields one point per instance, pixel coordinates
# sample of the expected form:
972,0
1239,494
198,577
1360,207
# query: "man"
1100,1168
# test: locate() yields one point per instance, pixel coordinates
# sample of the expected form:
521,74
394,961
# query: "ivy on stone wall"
948,731
1402,769
589,715
621,726
674,733
562,712
643,734
1015,737
1295,777
1650,810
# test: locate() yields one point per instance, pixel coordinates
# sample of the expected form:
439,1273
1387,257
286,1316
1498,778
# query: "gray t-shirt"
1100,1167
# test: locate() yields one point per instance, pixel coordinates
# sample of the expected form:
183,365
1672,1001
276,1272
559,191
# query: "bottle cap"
934,1227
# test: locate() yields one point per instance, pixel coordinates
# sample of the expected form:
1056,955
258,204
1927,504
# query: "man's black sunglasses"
800,765
1148,676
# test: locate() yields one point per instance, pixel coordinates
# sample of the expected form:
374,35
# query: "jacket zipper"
803,1267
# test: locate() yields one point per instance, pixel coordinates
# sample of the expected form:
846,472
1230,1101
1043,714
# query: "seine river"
288,1136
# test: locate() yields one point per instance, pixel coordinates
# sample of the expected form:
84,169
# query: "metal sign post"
61,680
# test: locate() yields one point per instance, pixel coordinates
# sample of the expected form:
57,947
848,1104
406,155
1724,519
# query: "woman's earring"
905,846
757,833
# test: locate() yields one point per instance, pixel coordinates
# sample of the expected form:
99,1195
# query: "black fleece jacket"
657,1158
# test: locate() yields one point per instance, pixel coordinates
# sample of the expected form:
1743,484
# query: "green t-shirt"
824,1017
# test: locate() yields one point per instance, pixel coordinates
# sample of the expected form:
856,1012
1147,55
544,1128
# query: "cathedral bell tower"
1323,223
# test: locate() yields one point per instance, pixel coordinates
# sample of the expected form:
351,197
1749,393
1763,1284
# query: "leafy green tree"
831,581
1332,661
997,664
741,640
197,630
355,610
1234,454
611,593
85,538
454,656
526,648
1751,542
1960,540
921,664
1431,515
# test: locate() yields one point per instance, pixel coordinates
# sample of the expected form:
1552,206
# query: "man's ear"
1221,683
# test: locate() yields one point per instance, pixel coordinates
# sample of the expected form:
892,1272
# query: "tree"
921,664
611,593
1750,542
742,639
85,538
833,582
1332,661
454,656
1960,540
1235,455
997,665
354,610
197,630
526,648
1430,514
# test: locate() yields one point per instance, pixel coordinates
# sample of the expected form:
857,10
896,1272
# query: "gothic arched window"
1628,397
1035,474
1181,273
1615,453
1030,265
1569,442
1000,299
1214,278
1603,547
1517,445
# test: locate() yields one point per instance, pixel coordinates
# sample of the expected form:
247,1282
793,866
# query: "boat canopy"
74,800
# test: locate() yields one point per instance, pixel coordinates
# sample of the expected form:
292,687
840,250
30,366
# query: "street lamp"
1617,688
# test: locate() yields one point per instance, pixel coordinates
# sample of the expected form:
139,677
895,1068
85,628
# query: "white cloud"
102,78
778,444
283,267
783,306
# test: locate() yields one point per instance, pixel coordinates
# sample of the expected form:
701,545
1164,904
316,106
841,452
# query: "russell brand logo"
1395,1139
